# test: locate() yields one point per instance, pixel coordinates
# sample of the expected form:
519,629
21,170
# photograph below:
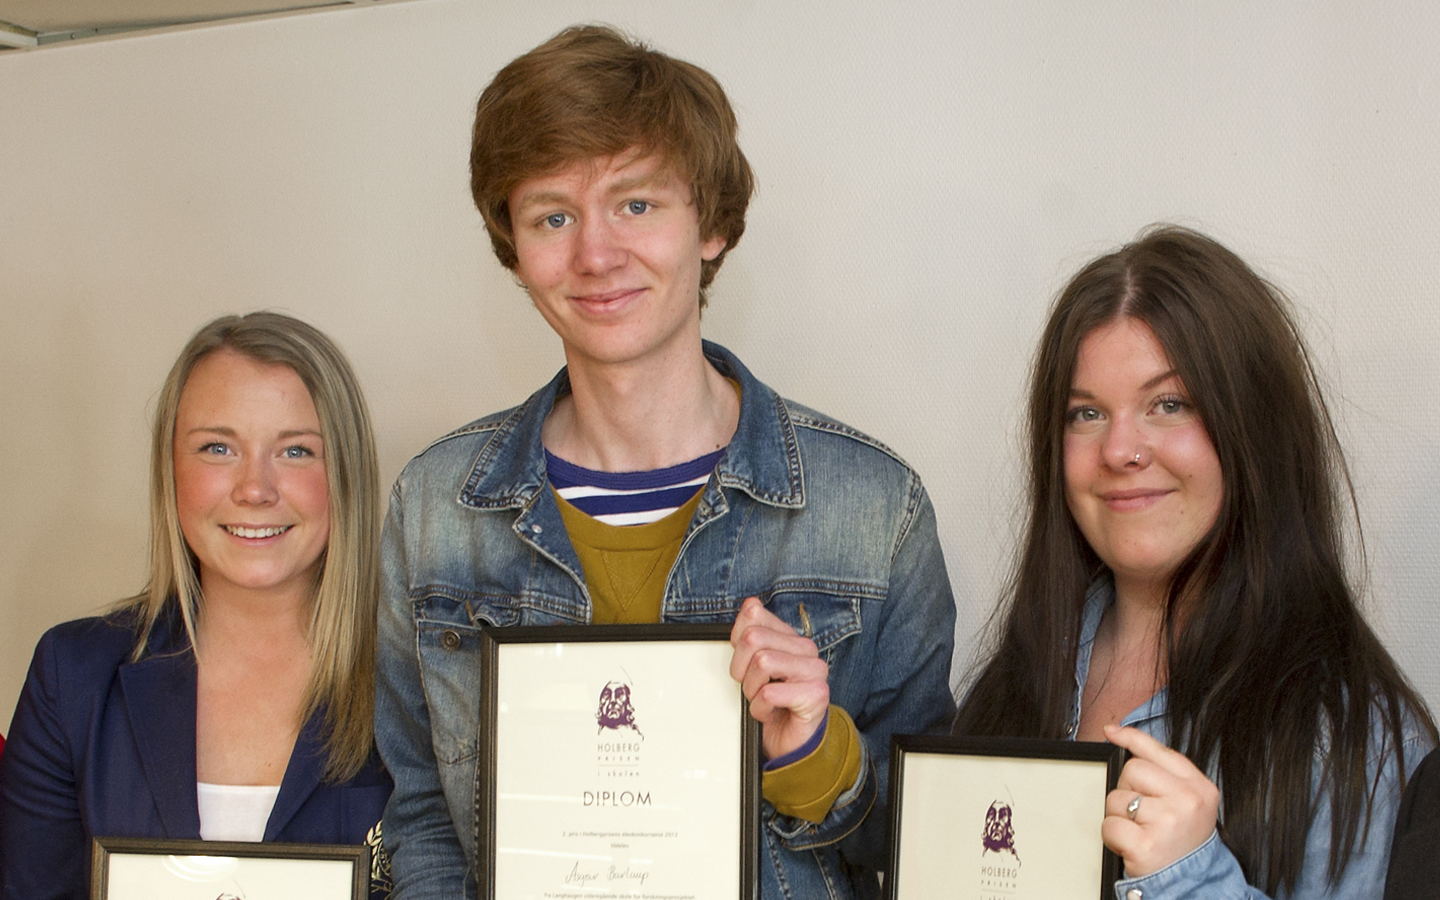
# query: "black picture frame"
276,860
620,638
955,770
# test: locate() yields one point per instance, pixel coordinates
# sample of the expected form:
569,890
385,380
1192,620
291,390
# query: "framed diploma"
616,762
1000,819
143,869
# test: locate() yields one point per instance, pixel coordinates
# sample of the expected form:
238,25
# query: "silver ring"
1133,807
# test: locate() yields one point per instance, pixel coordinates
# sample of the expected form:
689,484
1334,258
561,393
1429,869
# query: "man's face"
610,251
996,821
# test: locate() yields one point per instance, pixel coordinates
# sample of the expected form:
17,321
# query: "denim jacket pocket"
448,642
825,613
828,613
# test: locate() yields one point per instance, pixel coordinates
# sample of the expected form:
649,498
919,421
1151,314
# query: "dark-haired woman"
232,699
1181,591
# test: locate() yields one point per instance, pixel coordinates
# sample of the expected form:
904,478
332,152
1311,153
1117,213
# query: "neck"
643,415
1138,613
257,622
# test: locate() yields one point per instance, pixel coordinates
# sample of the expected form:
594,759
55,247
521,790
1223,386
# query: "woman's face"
250,480
1142,478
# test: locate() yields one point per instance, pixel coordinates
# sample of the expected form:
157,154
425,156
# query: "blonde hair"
342,623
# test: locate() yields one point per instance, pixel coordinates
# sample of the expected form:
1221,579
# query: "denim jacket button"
450,640
1134,894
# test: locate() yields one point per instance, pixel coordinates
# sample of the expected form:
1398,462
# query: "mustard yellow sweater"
625,568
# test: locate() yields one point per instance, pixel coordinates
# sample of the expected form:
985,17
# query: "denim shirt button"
450,640
536,529
1134,894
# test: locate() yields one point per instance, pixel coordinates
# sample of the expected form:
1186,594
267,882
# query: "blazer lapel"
159,696
302,776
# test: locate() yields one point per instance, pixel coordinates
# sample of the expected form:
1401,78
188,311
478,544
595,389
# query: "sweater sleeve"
807,787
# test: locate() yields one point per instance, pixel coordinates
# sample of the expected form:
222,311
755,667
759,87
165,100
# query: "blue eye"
297,452
1170,405
638,207
556,220
214,448
1082,414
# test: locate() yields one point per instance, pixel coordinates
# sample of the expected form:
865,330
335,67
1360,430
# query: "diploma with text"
617,762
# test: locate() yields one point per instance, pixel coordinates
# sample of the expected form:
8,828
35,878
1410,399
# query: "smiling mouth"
242,531
1133,500
606,298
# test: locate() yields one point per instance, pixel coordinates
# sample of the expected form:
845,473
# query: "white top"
235,812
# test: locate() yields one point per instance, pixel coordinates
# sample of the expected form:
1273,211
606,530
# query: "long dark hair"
1273,658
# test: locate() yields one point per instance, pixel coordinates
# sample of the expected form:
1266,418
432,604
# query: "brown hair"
588,92
1273,658
342,625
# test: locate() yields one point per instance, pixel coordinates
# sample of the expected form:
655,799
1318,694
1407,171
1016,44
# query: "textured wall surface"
930,174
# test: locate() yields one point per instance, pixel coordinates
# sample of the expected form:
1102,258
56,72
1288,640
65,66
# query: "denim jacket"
800,510
1211,870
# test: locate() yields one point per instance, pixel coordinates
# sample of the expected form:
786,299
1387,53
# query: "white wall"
930,174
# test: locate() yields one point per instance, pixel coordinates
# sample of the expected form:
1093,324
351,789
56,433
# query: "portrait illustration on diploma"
999,819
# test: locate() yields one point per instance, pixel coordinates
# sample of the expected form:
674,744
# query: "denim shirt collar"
763,459
1148,716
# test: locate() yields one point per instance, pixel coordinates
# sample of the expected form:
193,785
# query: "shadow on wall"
77,465
1413,605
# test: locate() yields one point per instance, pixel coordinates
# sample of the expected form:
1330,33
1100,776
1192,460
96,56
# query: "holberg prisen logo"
617,755
615,710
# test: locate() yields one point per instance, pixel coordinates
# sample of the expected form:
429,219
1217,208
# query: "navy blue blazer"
103,746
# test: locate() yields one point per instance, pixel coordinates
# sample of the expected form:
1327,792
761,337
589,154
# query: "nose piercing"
1137,459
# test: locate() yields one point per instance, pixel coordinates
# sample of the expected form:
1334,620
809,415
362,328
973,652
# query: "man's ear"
711,247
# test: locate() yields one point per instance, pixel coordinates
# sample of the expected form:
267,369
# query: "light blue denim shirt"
1211,870
800,510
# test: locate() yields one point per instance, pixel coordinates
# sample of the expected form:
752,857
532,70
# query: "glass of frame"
1000,819
145,869
615,762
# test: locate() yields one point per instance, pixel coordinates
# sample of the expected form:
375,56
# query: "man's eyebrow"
632,182
540,198
622,185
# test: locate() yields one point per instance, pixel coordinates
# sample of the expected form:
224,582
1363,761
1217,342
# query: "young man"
654,479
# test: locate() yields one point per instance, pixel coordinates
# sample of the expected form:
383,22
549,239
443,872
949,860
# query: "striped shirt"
630,498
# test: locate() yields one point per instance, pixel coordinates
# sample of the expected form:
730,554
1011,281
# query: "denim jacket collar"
763,459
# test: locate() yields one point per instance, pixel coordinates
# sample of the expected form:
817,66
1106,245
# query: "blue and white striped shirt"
630,498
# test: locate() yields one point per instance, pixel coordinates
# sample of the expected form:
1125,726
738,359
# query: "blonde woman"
232,698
